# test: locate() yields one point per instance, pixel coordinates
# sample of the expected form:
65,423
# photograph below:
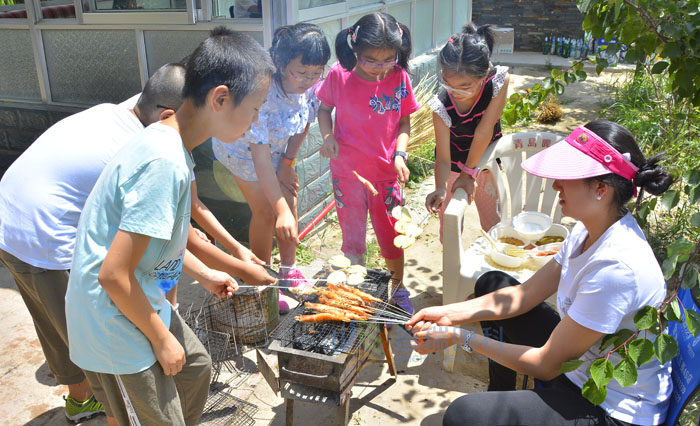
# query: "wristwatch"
289,162
465,345
402,154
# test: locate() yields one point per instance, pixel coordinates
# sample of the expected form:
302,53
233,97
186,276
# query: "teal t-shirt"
144,189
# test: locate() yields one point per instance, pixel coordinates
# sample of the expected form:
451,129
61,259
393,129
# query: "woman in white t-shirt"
604,273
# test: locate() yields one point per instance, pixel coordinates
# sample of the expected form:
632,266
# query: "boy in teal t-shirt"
140,358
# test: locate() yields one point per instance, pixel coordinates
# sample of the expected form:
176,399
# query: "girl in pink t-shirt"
371,93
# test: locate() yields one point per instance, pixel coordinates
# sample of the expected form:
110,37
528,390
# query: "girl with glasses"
262,161
371,93
466,118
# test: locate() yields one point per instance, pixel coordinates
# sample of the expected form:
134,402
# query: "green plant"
421,162
373,256
304,255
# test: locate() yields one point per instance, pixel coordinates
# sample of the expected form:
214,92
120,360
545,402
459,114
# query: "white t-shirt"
602,289
44,190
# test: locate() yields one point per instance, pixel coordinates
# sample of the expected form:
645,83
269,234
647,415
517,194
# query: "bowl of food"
506,234
505,260
555,234
540,255
532,225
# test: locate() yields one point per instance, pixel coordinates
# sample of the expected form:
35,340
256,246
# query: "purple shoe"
402,299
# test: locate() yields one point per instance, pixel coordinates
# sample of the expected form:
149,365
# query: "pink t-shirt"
367,115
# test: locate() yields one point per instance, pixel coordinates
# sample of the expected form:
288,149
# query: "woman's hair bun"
652,177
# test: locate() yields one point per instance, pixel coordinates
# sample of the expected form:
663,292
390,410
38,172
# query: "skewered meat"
320,318
365,296
347,306
335,311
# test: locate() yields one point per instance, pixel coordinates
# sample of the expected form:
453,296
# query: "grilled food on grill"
339,261
365,296
320,318
335,311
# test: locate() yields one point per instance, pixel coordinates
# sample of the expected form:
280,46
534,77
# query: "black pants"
558,402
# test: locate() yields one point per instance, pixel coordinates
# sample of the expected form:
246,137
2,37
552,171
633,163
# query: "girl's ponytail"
487,36
343,50
406,45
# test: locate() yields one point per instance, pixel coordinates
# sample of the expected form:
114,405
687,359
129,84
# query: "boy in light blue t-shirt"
130,247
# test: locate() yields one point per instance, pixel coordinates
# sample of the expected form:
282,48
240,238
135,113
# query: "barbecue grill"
320,362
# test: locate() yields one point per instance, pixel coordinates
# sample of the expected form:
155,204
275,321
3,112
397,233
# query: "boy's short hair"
229,58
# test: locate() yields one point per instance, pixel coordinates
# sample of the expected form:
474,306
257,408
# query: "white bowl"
556,230
501,230
532,225
505,260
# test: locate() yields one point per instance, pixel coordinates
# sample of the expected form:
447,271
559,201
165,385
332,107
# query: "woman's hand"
330,147
437,315
433,338
434,200
219,283
288,178
169,353
466,182
401,170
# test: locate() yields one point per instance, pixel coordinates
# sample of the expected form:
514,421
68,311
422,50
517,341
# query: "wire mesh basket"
225,409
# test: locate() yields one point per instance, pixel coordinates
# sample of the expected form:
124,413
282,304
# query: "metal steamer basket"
320,362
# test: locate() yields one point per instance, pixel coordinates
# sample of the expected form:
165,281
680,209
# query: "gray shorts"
159,399
44,293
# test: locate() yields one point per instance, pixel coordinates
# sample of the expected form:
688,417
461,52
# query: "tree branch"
645,16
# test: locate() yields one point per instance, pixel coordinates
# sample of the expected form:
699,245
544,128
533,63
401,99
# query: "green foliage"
421,162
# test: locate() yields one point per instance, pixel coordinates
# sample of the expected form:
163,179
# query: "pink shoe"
284,304
293,278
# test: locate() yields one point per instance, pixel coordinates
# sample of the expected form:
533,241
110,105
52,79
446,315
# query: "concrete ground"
418,397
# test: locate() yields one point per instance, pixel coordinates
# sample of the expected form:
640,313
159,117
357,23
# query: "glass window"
402,13
237,9
308,4
57,9
462,14
444,22
358,3
12,9
135,5
423,32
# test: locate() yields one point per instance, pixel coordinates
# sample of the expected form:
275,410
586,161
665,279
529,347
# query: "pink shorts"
353,201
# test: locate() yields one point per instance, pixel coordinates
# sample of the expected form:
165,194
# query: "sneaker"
286,303
293,277
77,411
402,299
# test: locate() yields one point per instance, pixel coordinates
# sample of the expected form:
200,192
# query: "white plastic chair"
518,191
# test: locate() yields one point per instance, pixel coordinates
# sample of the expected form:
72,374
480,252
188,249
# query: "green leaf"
659,328
665,348
581,75
593,393
695,220
599,69
547,83
618,7
559,88
645,317
569,77
622,336
570,366
668,266
601,372
695,195
693,177
625,373
515,97
659,67
673,311
690,279
672,50
607,341
641,350
681,247
692,321
533,98
509,116
556,72
670,199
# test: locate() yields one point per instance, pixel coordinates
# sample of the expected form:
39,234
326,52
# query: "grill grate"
225,409
332,337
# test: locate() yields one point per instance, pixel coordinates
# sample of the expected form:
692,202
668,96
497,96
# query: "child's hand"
401,170
330,147
466,182
288,179
434,200
286,227
256,275
169,353
219,283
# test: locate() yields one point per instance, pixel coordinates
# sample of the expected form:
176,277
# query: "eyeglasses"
302,77
378,65
165,107
463,92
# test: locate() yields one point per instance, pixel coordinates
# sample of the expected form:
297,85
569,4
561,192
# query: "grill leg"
387,351
289,405
343,413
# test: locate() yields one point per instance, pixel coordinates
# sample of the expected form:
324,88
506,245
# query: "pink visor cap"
583,154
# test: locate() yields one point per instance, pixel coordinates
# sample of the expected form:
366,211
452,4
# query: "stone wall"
532,20
21,125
